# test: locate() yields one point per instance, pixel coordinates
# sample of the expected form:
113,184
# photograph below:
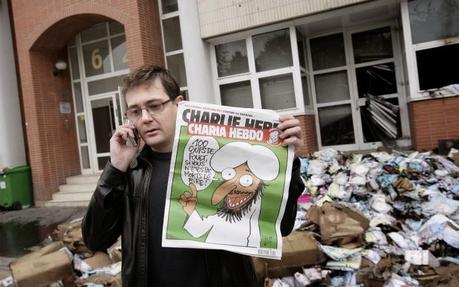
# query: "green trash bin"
16,187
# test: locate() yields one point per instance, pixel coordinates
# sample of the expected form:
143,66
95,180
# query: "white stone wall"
196,54
12,151
219,17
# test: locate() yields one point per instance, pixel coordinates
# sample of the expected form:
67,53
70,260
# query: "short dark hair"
146,75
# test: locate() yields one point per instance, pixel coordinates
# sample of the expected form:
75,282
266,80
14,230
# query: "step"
65,203
85,187
72,196
82,179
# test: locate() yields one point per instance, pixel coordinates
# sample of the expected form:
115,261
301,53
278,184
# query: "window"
372,45
104,50
172,39
169,6
95,32
433,43
119,53
355,80
237,94
232,58
96,58
277,92
433,20
328,52
259,71
272,50
433,71
176,65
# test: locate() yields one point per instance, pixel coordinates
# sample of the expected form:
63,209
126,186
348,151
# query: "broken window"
436,67
380,119
376,80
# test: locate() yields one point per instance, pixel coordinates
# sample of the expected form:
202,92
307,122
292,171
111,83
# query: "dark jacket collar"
144,156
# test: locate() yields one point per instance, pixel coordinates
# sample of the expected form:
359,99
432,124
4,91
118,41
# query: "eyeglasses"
134,114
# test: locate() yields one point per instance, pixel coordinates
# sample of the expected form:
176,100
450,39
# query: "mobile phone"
135,140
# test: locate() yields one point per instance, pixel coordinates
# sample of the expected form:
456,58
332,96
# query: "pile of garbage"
64,260
380,219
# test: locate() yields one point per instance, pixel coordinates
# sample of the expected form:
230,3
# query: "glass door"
377,83
105,119
333,97
357,87
98,64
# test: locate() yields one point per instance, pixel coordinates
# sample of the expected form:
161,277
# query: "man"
244,171
130,195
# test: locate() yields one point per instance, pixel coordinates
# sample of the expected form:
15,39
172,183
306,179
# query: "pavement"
22,229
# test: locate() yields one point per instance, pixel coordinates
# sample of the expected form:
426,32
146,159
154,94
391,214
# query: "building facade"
12,149
357,74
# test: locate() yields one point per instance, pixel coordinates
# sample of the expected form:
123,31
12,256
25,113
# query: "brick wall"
433,120
42,31
309,134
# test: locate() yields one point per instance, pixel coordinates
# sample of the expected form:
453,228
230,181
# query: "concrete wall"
196,54
219,17
12,151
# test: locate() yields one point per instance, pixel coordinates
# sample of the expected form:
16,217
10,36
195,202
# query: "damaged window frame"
350,68
411,54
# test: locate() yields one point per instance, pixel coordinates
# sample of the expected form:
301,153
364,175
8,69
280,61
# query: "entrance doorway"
98,62
106,118
357,87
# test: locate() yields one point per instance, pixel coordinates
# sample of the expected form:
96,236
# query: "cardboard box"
62,229
43,270
100,259
456,158
339,225
52,247
114,252
299,249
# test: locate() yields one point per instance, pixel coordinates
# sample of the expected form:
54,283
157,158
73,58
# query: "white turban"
261,160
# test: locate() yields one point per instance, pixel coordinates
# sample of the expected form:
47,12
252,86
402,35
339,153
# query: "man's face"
238,189
158,130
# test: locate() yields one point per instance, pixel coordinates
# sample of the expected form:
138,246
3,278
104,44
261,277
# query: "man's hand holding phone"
124,145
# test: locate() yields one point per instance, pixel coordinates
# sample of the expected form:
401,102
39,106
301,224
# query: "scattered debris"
380,219
64,260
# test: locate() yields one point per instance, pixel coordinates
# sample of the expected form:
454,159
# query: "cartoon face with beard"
240,190
244,168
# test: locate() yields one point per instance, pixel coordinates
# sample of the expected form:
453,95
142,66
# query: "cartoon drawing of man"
244,168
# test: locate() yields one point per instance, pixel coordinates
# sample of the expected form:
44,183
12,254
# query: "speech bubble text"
196,161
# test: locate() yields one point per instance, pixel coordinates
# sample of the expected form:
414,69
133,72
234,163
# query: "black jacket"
118,208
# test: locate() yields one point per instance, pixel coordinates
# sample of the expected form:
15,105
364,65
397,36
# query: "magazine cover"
229,179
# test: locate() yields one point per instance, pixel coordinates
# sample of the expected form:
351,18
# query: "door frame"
399,78
93,154
354,101
83,81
